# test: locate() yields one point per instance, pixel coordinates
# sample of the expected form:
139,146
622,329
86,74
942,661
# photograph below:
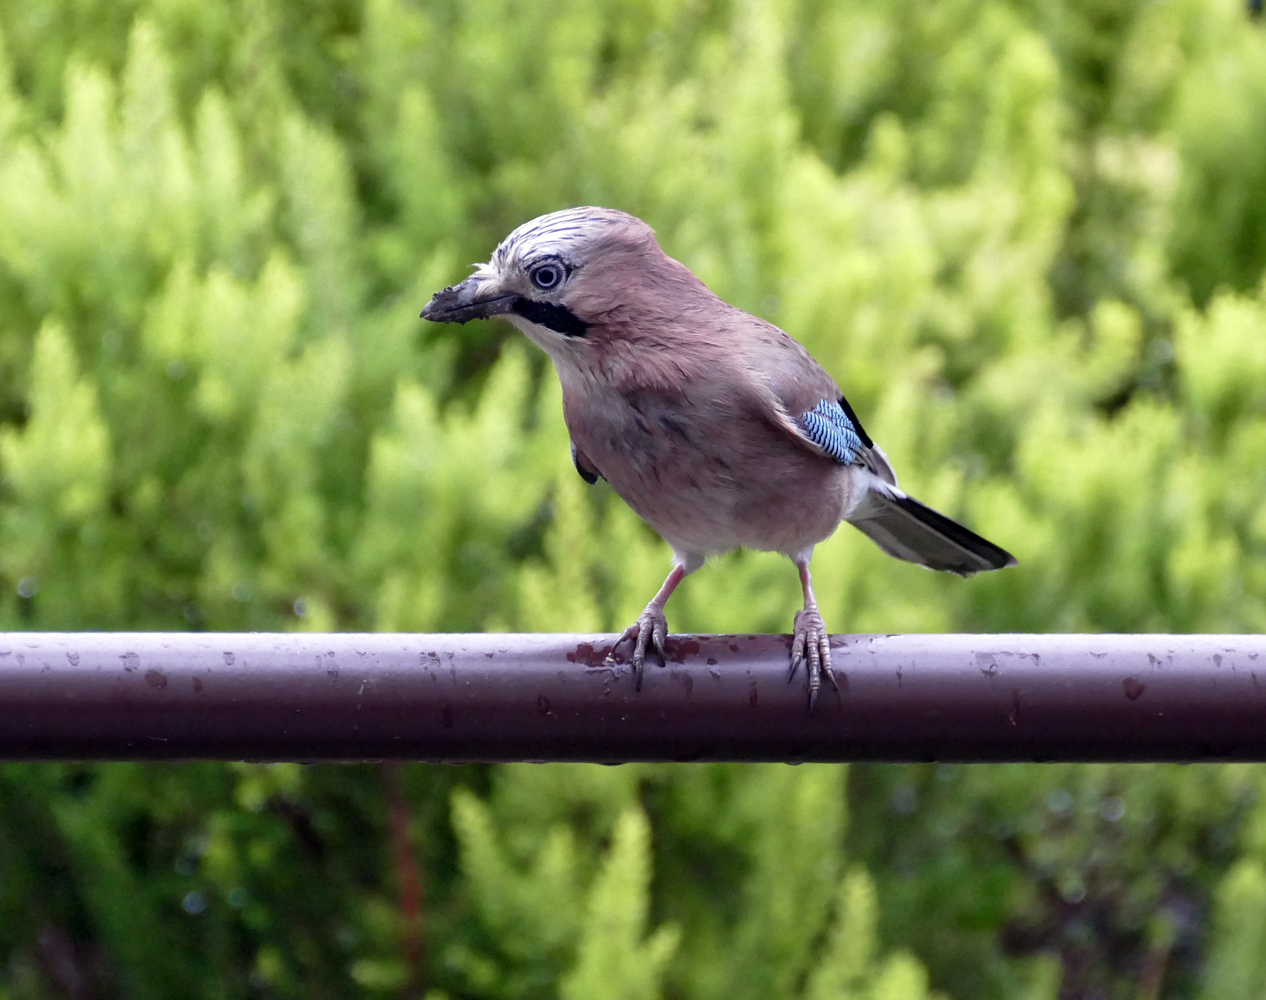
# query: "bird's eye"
547,276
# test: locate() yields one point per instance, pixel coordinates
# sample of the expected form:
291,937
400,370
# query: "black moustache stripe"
557,318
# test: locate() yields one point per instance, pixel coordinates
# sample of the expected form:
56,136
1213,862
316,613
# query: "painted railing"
257,696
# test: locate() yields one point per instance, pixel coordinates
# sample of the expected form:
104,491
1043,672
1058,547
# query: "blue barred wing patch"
828,426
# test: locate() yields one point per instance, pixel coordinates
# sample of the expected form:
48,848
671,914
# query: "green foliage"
1235,967
1026,237
848,970
553,906
610,961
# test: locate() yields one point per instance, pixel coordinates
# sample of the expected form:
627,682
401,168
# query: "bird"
715,426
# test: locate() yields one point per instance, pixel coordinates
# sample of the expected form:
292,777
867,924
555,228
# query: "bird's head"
558,276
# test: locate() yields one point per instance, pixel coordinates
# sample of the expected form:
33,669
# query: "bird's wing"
833,429
804,401
897,523
828,428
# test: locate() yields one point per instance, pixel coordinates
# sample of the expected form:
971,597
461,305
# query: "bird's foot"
650,629
811,643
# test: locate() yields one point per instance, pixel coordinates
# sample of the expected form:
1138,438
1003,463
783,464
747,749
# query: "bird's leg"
651,628
810,641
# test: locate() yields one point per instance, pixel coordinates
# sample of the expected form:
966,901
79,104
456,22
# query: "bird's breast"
709,474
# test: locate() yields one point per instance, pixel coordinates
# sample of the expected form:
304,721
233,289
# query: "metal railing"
181,696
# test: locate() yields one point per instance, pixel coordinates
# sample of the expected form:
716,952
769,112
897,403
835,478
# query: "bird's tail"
909,530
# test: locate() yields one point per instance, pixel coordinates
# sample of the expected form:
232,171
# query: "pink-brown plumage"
698,414
695,444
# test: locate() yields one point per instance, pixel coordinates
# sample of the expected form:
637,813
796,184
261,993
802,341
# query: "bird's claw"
811,644
650,630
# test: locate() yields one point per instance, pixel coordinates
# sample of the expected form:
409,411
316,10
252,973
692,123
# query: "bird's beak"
474,298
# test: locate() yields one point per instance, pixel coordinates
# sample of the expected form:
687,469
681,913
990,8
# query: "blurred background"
1027,237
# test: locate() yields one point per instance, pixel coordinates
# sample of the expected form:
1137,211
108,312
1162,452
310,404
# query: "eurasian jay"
715,426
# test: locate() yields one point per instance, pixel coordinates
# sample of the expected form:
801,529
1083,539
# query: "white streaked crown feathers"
562,234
